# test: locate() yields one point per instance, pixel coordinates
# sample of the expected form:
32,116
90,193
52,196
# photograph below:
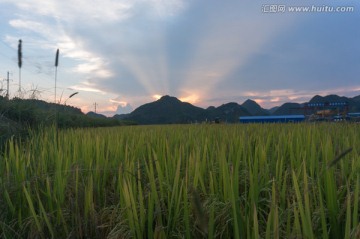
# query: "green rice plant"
272,228
256,225
356,197
322,209
303,209
188,181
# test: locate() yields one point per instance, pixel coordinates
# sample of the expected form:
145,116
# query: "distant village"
313,112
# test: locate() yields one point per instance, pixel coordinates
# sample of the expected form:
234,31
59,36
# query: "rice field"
183,181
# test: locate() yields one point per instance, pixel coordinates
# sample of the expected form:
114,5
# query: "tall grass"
183,181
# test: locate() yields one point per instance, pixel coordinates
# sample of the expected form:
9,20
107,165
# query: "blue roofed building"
272,119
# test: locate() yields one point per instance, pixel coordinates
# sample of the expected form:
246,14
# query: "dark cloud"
202,50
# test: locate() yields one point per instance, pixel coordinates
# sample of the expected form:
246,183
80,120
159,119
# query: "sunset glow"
128,53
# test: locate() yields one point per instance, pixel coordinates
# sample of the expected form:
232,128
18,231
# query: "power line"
30,65
8,46
9,56
6,57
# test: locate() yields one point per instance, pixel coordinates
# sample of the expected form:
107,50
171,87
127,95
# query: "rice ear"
57,58
20,54
73,94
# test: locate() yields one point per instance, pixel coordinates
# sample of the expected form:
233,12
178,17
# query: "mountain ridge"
170,110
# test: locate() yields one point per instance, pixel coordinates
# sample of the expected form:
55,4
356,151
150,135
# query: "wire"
31,65
28,62
8,46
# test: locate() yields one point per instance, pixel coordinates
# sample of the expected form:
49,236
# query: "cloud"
119,102
95,66
193,98
156,96
53,23
200,52
164,8
124,109
86,86
73,10
117,107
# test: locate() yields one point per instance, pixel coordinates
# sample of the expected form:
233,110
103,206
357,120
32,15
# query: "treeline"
34,113
18,115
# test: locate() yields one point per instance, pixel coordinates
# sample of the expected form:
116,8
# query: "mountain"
96,115
273,109
356,99
229,112
295,108
328,98
18,115
170,110
354,103
289,109
166,110
120,116
253,108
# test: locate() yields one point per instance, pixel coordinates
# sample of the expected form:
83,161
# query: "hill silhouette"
356,98
229,112
254,108
289,109
18,115
95,115
170,110
354,103
166,110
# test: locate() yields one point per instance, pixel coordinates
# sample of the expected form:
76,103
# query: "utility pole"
7,89
95,104
7,84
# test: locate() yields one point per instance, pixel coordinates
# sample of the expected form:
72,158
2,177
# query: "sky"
120,54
